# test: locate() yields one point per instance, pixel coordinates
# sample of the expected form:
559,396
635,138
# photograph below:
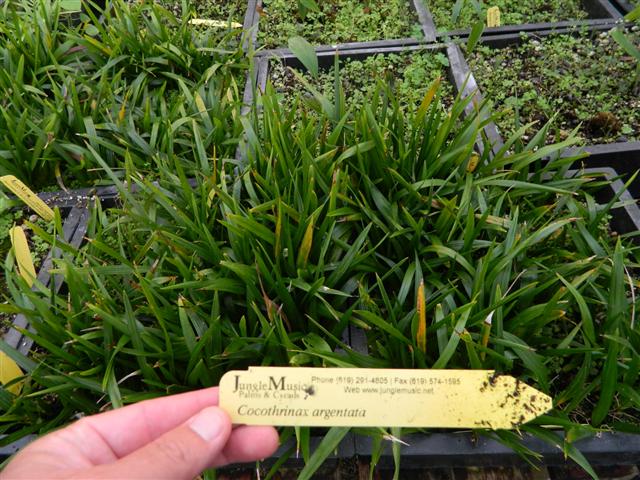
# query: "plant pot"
595,11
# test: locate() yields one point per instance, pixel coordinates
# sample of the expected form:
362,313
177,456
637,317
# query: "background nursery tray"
422,18
514,87
458,73
593,11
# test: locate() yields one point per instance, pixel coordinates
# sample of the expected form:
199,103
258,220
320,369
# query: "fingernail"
209,424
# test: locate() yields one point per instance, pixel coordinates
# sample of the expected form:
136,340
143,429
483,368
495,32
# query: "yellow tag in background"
25,194
213,23
360,397
23,254
10,370
493,17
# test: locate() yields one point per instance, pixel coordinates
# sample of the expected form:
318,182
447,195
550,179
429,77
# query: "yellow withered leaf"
10,370
305,247
428,98
23,254
421,307
278,243
202,108
123,109
59,179
473,162
122,112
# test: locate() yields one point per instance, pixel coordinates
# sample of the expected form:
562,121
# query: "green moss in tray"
590,82
512,12
337,21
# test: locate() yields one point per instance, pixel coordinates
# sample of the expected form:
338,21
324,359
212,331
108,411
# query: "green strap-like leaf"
304,52
328,444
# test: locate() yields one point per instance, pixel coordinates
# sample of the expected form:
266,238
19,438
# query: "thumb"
182,453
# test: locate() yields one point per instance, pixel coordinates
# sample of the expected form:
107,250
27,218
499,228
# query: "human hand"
174,437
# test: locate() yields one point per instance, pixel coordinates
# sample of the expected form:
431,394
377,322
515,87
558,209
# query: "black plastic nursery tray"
625,5
422,14
514,35
465,449
598,12
595,33
497,34
74,229
108,196
458,72
622,157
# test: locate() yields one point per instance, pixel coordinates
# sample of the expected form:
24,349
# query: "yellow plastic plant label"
23,254
25,194
213,23
10,370
358,397
493,17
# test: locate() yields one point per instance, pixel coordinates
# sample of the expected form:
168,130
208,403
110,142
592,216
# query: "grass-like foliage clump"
346,218
138,90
